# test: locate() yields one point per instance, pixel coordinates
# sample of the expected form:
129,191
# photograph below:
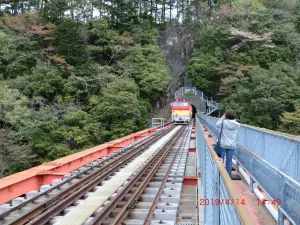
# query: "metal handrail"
210,103
284,136
277,133
283,181
242,211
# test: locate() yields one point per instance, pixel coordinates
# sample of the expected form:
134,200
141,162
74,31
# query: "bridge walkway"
268,162
258,212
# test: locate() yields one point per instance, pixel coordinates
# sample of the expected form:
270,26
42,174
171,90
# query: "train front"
181,111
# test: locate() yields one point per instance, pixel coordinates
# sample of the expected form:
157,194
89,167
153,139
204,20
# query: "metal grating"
188,208
190,169
228,213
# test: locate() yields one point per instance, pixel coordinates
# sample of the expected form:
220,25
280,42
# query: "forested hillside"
247,55
75,74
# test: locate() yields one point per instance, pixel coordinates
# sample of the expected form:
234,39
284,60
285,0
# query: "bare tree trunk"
29,7
92,10
155,12
177,8
136,6
183,9
140,13
100,9
170,11
42,5
72,9
164,11
15,7
145,8
23,8
151,9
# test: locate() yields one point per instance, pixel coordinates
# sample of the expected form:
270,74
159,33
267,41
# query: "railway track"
130,198
39,209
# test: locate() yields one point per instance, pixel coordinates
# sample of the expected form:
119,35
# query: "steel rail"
76,188
148,170
134,199
53,210
161,188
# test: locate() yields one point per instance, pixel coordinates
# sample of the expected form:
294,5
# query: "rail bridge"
163,175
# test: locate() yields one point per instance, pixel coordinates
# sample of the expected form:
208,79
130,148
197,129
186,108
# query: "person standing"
228,138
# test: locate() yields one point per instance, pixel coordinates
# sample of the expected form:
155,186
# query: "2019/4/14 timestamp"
275,202
219,202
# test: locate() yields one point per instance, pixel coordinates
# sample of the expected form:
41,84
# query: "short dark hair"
230,114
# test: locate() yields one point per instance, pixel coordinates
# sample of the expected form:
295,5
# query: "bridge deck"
259,213
19,184
83,211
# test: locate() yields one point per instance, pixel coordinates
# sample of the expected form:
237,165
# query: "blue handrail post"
281,217
216,194
251,184
204,176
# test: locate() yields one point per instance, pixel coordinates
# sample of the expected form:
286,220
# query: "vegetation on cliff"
247,55
69,82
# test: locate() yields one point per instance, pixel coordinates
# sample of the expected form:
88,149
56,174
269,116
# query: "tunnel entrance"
194,111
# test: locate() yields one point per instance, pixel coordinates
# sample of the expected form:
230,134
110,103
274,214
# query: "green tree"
145,33
123,14
89,81
291,121
14,112
148,67
202,70
55,10
69,42
119,109
13,156
247,57
250,6
45,81
297,24
103,40
63,132
17,55
260,96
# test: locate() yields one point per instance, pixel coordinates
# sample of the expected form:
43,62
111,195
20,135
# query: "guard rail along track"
39,209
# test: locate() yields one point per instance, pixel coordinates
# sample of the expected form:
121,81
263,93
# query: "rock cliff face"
176,42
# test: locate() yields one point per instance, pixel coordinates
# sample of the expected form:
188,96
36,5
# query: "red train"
181,111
